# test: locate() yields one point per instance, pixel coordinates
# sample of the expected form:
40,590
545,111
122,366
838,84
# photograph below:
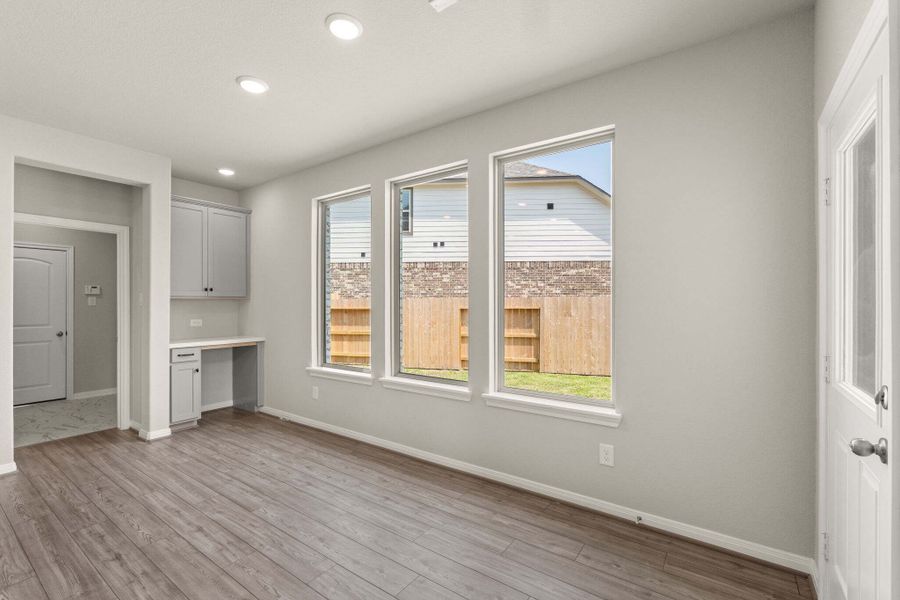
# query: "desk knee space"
215,373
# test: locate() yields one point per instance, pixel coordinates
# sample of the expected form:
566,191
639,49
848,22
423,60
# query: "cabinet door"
227,253
189,262
185,392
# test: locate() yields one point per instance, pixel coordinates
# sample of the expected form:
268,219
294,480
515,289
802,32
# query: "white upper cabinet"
227,247
209,250
188,250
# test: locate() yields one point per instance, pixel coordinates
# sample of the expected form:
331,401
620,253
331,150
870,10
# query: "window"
345,226
431,277
406,208
554,270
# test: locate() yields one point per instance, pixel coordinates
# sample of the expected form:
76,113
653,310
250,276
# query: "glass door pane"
864,277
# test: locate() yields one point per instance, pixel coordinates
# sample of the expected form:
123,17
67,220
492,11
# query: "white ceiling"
159,74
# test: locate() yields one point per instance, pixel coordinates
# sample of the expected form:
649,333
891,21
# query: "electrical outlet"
607,458
196,322
315,392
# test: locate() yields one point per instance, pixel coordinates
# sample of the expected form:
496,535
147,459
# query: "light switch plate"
315,392
196,322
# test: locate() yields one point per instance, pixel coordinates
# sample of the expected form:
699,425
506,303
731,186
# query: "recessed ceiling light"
226,172
522,204
252,85
343,26
440,5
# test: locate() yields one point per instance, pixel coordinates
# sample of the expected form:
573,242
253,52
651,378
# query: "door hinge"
825,553
827,366
828,191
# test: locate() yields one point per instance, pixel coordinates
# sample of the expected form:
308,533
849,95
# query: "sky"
594,163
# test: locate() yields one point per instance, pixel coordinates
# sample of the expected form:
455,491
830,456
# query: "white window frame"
554,405
395,378
319,367
409,210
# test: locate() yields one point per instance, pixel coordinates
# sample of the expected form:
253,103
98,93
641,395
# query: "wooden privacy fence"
351,328
562,334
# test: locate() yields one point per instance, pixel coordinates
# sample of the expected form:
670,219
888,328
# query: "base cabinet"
185,392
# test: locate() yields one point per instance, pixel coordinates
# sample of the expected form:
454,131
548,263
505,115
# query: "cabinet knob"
196,370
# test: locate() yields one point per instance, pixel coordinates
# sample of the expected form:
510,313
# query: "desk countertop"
202,343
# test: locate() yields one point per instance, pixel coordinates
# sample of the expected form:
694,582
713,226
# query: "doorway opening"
71,336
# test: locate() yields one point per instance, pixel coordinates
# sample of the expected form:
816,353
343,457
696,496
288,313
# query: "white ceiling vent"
440,5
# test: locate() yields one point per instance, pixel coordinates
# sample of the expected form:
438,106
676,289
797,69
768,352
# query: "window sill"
427,388
561,409
347,376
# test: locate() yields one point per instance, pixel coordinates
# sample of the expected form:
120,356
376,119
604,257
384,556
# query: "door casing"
123,300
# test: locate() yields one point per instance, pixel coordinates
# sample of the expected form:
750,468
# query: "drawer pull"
183,355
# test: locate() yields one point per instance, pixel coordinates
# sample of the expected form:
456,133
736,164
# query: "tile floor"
57,419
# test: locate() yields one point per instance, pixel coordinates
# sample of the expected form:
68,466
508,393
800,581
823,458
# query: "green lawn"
586,386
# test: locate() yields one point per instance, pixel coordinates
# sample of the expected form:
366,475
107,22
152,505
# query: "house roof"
525,171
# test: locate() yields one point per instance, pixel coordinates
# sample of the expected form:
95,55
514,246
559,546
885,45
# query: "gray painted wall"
202,191
95,326
837,23
52,193
714,292
216,378
220,317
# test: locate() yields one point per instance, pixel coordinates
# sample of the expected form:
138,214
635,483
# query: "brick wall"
533,279
543,279
350,280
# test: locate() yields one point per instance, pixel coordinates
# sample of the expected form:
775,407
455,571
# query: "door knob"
60,334
861,447
881,397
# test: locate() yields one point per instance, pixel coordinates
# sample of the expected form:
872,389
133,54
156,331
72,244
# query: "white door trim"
123,302
70,307
874,23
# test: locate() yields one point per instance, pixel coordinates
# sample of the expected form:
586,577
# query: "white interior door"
858,337
39,324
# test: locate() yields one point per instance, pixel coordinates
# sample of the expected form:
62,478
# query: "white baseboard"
216,405
94,393
803,564
8,468
154,435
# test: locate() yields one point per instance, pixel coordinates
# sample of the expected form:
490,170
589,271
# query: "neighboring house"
558,236
551,216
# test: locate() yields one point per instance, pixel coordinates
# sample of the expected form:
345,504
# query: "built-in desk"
207,374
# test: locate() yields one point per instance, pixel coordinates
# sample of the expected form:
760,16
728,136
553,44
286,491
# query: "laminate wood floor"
248,507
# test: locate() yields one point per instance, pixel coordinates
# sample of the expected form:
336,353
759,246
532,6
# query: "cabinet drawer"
185,355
